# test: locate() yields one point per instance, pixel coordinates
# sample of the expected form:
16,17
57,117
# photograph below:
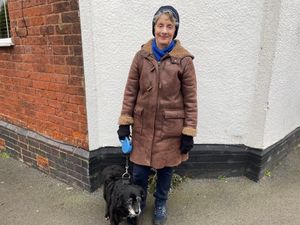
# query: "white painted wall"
283,114
224,36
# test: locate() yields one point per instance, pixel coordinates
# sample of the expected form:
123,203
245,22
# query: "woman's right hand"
123,131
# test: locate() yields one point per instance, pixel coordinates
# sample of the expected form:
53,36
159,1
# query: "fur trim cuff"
125,120
189,131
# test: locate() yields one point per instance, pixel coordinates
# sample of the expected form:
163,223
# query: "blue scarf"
158,53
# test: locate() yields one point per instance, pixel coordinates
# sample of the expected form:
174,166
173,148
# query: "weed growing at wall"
4,155
176,181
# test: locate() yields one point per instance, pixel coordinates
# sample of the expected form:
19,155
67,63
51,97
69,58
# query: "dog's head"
133,199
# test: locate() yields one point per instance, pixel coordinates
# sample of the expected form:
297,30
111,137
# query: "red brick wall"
41,76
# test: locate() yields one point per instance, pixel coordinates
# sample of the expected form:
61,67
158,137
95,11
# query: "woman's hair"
168,13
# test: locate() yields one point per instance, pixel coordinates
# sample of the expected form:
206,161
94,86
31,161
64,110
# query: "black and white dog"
123,199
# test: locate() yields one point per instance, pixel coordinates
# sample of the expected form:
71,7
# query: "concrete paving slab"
29,197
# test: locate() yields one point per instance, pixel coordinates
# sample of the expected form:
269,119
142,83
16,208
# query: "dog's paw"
107,218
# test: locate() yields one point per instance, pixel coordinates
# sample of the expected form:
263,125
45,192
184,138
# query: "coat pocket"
138,120
173,123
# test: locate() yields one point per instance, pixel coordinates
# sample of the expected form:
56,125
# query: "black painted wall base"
82,168
61,161
212,161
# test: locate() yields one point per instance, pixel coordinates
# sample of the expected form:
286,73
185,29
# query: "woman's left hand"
187,143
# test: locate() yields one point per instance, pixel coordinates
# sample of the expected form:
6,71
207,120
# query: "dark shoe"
160,215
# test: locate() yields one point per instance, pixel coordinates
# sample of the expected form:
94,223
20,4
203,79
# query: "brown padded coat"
160,101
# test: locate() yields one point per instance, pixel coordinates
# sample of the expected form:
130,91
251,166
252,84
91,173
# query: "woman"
160,102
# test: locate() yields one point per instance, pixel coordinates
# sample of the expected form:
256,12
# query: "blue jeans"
164,178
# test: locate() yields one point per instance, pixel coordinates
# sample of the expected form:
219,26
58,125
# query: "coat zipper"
157,107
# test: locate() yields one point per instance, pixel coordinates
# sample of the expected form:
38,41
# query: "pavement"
30,197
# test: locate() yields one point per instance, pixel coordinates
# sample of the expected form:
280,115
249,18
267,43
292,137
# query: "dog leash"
126,176
126,149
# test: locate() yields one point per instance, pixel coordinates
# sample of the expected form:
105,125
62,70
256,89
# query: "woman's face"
164,31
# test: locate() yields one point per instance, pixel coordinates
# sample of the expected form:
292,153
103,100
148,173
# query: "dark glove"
187,143
123,131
